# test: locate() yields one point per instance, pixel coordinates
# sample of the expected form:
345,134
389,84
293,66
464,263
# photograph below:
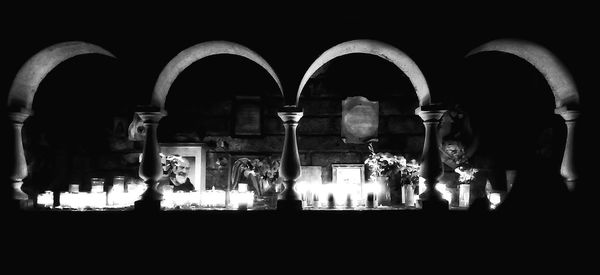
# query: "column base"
289,205
147,206
435,205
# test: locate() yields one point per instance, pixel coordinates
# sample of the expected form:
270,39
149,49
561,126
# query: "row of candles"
118,195
235,199
373,194
332,195
121,195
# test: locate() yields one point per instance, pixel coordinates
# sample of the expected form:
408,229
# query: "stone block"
327,143
404,125
216,178
327,158
321,107
409,146
272,126
215,126
256,144
319,126
215,108
120,144
402,105
305,158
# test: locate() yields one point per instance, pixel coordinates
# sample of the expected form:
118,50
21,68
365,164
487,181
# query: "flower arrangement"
383,164
454,153
410,175
266,169
387,165
466,175
455,156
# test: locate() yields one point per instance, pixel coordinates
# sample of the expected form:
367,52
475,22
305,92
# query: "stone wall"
319,131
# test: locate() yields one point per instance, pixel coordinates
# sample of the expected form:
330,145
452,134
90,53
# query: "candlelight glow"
240,199
422,186
213,198
494,199
464,195
446,194
46,199
342,194
82,201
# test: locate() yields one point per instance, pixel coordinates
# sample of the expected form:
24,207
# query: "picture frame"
348,173
195,153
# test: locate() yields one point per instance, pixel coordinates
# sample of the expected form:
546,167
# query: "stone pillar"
17,165
150,168
568,168
431,162
290,159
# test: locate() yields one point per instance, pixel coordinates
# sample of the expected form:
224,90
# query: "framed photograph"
195,154
348,173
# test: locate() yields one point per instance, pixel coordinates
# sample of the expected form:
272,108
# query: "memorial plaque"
360,120
247,116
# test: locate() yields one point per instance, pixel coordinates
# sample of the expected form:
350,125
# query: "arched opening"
377,48
415,77
203,107
399,132
20,101
521,140
79,127
151,162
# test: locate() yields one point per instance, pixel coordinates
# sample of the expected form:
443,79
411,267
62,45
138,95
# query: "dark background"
510,103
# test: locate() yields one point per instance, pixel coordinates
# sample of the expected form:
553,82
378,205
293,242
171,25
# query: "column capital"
20,116
290,113
431,112
566,114
151,116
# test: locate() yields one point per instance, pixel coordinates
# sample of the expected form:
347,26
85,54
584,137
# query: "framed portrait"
195,154
348,173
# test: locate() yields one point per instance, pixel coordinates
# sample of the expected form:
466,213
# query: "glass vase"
408,195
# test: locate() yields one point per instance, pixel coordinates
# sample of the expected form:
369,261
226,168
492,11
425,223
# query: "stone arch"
377,48
566,95
195,53
554,71
32,73
20,101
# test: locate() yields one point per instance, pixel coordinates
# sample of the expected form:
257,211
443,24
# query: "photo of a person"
176,171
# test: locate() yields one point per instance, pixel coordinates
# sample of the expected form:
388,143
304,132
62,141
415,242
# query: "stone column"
290,159
17,165
568,168
150,168
431,162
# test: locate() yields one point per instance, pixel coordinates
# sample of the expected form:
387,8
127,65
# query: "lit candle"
46,199
464,192
97,185
408,195
73,188
494,199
